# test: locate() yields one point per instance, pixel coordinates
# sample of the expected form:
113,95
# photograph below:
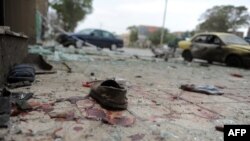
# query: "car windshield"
233,39
86,31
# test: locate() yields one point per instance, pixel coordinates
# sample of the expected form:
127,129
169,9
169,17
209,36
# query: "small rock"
138,76
137,137
78,129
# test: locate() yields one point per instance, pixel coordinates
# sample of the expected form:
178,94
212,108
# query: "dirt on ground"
157,108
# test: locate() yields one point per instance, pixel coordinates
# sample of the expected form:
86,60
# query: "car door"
95,38
216,49
199,47
108,39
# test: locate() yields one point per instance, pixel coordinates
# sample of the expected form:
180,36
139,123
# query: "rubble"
164,52
72,100
219,128
21,73
12,104
137,137
18,84
109,94
157,108
236,75
115,118
206,89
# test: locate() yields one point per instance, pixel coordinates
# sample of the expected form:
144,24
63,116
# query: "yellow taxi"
217,47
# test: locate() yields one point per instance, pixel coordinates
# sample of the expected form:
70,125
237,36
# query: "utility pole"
163,25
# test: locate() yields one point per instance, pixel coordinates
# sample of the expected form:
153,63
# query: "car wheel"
234,61
186,54
210,62
113,47
79,44
71,44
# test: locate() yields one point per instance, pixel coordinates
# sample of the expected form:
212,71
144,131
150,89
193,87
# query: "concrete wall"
13,50
20,15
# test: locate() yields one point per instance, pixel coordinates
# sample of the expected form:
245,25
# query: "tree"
224,18
71,11
155,37
133,37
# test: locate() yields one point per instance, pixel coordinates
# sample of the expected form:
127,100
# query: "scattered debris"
12,103
78,129
86,104
219,128
18,84
90,83
173,67
73,100
206,89
69,69
122,82
236,75
5,109
204,64
87,84
63,115
164,52
138,76
22,107
109,117
114,119
38,62
20,73
4,120
92,74
109,94
221,87
136,137
59,53
136,56
45,72
95,114
46,108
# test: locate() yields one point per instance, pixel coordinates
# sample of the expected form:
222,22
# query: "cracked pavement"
161,111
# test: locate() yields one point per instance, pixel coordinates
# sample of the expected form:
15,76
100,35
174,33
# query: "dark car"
99,38
247,39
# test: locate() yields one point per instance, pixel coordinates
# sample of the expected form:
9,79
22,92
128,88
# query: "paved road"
161,110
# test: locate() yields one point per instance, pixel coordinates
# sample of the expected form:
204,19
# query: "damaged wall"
20,15
13,50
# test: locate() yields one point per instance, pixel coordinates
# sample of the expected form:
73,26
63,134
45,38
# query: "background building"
144,31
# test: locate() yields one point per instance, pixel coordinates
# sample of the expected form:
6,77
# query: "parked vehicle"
247,39
99,38
217,47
